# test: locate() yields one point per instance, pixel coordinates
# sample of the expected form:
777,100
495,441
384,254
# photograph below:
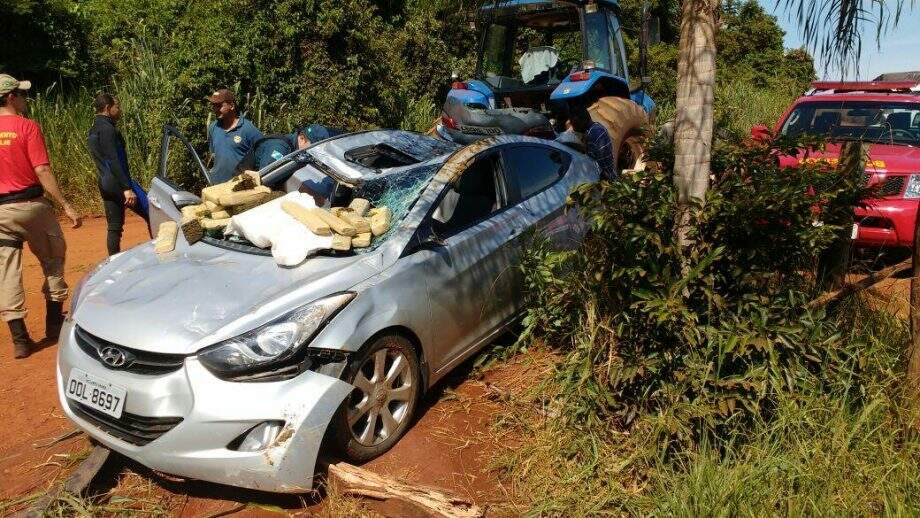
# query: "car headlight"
274,345
913,187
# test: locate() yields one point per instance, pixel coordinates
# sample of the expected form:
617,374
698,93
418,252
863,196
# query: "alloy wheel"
385,387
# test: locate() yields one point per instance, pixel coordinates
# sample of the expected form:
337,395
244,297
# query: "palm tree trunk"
696,75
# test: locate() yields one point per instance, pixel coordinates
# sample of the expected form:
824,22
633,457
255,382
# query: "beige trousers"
33,222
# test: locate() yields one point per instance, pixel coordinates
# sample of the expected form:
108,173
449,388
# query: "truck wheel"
387,380
625,121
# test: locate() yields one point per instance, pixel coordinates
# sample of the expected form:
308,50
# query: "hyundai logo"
113,357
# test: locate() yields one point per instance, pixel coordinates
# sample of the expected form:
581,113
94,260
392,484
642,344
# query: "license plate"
855,231
96,393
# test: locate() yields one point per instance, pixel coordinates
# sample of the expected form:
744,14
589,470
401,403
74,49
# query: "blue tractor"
536,58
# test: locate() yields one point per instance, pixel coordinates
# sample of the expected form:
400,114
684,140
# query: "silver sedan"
213,363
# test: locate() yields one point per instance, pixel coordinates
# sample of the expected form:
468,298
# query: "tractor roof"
488,5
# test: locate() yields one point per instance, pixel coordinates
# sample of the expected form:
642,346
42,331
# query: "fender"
476,94
569,90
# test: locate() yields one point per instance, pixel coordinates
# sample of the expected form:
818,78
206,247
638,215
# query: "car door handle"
155,201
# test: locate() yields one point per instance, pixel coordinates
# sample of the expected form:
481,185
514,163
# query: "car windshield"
884,122
398,191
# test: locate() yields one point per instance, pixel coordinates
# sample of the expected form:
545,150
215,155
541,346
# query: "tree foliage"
712,347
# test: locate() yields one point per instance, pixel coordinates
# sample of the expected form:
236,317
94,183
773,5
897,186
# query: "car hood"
195,296
883,158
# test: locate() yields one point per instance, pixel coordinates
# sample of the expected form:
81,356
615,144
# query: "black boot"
54,319
22,343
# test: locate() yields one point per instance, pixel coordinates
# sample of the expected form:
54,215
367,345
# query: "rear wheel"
378,412
625,121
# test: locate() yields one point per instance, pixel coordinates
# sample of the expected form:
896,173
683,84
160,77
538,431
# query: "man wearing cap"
271,148
230,137
26,216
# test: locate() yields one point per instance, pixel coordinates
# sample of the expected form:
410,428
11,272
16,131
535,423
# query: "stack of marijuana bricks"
349,227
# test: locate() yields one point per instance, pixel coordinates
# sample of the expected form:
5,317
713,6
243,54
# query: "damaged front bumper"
190,423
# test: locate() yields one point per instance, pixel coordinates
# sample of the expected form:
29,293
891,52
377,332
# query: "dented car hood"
196,296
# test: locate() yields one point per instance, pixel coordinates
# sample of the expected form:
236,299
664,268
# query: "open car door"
180,174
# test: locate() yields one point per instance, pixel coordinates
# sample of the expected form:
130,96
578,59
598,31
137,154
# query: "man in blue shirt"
597,142
229,137
271,148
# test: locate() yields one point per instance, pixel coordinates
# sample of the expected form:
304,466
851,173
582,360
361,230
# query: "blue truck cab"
535,57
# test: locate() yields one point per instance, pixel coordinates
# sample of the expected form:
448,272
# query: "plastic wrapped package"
268,225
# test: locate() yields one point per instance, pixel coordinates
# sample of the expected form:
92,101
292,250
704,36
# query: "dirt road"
448,447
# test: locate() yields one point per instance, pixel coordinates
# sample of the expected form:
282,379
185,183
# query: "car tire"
387,380
625,122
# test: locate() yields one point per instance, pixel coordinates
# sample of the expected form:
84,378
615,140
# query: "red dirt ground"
448,447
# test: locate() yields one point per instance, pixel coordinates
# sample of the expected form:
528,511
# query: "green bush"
710,337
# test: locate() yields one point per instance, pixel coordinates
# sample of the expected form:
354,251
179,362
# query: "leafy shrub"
704,338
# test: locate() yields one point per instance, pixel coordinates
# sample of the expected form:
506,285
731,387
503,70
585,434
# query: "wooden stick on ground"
75,484
355,481
866,282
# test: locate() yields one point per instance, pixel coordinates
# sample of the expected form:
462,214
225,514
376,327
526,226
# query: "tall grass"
823,455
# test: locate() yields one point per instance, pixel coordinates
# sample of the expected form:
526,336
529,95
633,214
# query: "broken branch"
866,282
355,481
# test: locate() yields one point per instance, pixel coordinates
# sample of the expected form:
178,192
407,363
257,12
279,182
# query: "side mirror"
184,199
761,133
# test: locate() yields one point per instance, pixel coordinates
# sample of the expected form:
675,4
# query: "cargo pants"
33,222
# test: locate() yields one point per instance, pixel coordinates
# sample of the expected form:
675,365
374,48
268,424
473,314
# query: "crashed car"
212,362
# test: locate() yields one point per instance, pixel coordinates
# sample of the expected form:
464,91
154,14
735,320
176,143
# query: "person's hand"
130,198
74,216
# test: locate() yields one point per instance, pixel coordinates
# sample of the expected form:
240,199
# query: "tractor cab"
534,57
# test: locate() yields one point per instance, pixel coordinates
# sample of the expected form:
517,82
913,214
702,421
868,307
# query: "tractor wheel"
625,122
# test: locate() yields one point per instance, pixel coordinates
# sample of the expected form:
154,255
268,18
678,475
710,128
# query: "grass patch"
818,455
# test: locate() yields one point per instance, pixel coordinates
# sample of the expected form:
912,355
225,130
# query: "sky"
898,50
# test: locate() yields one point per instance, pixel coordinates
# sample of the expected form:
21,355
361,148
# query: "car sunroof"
379,156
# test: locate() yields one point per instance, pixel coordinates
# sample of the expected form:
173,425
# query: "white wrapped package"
269,226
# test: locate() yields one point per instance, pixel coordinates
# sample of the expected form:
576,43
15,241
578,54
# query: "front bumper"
214,413
886,223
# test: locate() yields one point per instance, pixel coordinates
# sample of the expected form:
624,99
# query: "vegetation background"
711,393
352,64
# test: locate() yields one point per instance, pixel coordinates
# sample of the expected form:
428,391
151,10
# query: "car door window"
180,164
475,196
530,169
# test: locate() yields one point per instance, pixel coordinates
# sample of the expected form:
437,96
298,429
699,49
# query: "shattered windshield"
399,192
884,122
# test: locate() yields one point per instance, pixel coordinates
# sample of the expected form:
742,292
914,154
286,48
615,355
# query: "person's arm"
49,183
38,157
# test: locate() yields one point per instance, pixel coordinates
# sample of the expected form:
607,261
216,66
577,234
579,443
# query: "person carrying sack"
117,188
26,216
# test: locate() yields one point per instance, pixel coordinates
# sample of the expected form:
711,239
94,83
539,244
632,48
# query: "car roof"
411,148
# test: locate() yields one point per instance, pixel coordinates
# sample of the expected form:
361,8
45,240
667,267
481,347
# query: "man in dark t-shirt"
118,190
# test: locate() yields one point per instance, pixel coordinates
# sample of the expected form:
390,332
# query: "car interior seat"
899,121
475,195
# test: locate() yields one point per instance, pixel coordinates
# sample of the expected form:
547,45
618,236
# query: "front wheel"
387,381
